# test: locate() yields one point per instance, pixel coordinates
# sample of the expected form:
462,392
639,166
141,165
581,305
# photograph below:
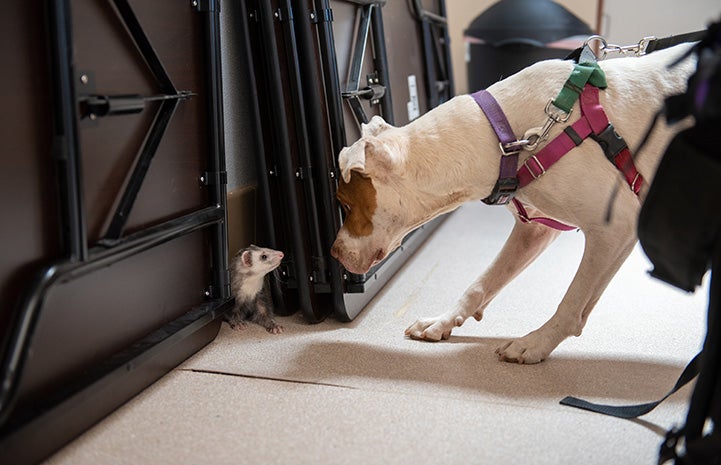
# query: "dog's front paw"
433,329
532,348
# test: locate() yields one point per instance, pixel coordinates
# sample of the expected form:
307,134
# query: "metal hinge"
212,6
283,14
319,272
325,15
219,290
212,178
300,173
373,92
321,16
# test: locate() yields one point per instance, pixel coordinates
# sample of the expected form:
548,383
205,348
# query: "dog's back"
637,87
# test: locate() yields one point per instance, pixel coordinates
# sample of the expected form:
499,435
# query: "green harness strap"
586,71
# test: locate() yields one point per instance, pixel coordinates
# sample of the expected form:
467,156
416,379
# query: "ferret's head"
257,260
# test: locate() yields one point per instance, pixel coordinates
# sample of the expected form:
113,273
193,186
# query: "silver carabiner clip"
643,45
535,136
602,48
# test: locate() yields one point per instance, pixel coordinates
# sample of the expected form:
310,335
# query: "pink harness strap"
550,222
594,123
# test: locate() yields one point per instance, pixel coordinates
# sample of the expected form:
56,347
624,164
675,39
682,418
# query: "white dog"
396,179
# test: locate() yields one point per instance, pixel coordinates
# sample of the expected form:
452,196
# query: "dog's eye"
345,207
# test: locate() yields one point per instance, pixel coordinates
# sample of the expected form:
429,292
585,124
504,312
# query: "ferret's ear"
368,156
247,259
374,127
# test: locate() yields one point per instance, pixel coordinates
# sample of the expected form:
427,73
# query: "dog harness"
582,85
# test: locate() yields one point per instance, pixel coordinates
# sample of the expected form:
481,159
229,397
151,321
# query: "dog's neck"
448,156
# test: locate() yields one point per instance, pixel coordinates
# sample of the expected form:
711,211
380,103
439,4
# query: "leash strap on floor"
634,411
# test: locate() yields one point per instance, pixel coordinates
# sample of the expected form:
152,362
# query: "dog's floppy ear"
352,158
368,156
374,127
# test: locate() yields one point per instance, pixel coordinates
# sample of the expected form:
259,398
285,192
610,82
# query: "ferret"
250,287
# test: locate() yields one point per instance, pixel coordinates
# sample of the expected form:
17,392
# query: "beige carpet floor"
361,393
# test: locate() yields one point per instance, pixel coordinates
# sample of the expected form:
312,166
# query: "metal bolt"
93,116
312,15
202,179
310,278
332,175
84,79
195,2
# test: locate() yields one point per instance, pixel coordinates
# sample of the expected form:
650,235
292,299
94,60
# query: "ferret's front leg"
235,320
264,317
525,243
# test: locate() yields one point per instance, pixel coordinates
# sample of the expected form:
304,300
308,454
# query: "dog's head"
379,199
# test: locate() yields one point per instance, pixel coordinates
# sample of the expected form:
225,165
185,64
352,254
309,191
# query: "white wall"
623,22
626,22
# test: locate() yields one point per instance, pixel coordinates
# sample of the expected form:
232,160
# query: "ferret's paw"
275,329
238,325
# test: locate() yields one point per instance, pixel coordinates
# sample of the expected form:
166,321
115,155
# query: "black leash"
670,41
644,46
633,411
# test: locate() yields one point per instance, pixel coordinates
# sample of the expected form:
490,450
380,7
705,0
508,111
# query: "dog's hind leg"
605,251
525,243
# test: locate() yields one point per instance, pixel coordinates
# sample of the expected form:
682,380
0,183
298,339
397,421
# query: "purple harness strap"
507,183
495,116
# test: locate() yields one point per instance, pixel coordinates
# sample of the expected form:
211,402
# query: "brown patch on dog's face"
358,199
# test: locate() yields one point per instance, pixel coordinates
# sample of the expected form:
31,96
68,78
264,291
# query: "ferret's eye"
264,257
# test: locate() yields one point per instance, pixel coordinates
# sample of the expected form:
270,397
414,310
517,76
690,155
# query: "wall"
462,12
627,22
622,22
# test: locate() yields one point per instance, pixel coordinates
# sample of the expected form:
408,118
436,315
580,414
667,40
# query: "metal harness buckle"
512,147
